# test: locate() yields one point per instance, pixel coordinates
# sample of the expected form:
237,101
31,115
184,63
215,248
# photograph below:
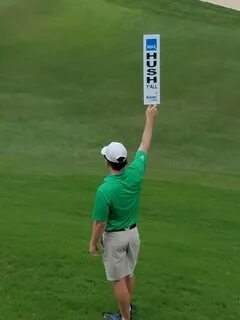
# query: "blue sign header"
151,44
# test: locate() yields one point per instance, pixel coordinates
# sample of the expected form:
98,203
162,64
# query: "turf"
70,82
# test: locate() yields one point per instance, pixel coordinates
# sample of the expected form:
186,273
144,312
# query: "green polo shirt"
118,197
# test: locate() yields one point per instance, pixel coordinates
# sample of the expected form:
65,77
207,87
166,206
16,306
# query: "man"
115,217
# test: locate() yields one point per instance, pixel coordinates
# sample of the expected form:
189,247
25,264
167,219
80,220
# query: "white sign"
151,69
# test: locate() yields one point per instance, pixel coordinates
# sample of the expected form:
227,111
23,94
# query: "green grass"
70,82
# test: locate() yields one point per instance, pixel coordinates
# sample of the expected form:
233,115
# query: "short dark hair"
118,166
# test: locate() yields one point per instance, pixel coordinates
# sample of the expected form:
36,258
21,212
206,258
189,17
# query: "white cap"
114,151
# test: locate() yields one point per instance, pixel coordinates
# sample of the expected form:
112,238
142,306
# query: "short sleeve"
101,207
140,162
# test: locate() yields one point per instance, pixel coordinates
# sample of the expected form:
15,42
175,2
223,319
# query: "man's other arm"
98,229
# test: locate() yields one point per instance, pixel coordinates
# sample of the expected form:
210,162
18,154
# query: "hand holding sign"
151,111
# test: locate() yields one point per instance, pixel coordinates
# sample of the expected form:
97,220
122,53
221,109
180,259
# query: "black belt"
125,229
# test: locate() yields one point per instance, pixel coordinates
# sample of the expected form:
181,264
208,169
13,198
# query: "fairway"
71,82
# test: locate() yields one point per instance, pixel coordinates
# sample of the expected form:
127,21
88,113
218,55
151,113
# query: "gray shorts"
120,253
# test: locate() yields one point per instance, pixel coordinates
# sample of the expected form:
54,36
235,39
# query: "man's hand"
93,249
151,112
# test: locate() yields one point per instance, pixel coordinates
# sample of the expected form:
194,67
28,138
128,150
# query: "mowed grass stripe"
190,250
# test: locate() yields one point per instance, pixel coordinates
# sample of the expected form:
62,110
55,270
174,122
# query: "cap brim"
103,151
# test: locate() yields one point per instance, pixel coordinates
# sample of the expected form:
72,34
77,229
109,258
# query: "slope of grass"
71,81
79,62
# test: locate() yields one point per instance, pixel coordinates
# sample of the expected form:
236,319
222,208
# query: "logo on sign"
151,44
152,98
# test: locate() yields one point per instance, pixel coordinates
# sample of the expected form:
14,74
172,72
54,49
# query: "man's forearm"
98,229
147,134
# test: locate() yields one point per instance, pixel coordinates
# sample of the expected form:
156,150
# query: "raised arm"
151,113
